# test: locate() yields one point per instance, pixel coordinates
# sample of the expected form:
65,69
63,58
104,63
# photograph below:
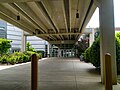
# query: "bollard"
34,72
108,72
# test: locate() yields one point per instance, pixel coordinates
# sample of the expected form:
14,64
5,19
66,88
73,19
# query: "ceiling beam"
62,42
12,19
24,14
9,20
26,9
47,8
70,16
12,16
52,37
69,13
87,14
48,34
91,9
64,7
65,13
67,6
97,3
45,14
13,1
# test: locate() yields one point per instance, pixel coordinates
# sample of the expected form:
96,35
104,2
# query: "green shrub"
30,53
41,52
4,46
12,60
3,59
29,47
118,53
95,53
39,55
22,57
86,55
25,58
18,57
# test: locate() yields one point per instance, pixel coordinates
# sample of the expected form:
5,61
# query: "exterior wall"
3,28
15,34
37,43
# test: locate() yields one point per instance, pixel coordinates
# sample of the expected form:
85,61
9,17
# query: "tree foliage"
4,46
86,55
82,46
29,47
94,52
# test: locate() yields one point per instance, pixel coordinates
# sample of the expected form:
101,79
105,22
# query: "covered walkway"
54,74
61,23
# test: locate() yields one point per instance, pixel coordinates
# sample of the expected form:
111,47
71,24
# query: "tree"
29,47
4,46
97,33
94,53
82,45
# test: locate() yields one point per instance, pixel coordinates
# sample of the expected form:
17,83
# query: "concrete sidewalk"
2,67
54,74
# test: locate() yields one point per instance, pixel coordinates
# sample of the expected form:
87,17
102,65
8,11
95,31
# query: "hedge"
92,54
86,55
4,46
41,52
18,57
95,53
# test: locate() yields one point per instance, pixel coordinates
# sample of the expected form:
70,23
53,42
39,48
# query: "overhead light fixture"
18,17
34,33
77,14
62,42
38,32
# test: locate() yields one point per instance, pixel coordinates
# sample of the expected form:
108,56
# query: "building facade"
3,29
13,33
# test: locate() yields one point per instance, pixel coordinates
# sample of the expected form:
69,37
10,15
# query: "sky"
94,22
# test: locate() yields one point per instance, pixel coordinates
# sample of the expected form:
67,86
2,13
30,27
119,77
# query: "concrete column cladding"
107,37
23,41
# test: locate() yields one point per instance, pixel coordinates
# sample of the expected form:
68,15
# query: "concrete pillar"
48,50
23,42
59,52
91,38
62,51
51,50
107,37
72,52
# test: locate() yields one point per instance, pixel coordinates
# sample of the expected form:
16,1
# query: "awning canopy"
56,21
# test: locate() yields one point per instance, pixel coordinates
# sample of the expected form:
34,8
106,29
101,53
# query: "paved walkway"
54,74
